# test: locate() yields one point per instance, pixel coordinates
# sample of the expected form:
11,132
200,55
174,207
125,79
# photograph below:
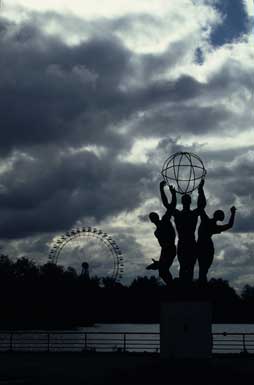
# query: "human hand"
201,184
163,183
172,189
233,209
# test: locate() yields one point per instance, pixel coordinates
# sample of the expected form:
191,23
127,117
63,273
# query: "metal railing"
233,342
22,341
77,341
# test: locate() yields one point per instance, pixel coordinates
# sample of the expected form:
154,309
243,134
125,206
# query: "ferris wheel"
89,247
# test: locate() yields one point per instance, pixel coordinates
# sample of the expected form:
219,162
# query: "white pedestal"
185,330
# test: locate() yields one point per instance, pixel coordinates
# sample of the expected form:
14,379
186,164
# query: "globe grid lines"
183,161
92,233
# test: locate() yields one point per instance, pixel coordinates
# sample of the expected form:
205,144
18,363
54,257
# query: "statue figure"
165,233
186,222
205,247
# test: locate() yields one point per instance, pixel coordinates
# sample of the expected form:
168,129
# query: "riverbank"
122,369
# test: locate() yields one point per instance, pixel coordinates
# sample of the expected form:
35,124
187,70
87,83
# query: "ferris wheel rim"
104,237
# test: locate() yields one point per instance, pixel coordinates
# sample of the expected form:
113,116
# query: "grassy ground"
125,369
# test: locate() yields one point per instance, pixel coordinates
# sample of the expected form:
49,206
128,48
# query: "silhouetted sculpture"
205,247
165,233
184,170
186,222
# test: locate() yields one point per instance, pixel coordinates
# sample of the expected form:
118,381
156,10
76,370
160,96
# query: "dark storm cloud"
192,107
232,77
151,65
41,197
55,98
51,93
179,118
157,64
48,89
235,167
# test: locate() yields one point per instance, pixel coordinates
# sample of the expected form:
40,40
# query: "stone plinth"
185,330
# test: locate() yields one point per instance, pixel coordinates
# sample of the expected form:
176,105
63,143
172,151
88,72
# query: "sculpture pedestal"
186,330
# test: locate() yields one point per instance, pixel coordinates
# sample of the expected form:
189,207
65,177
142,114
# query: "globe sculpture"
183,170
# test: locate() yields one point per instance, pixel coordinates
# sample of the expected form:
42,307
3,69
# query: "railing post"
124,342
48,342
11,342
244,344
85,341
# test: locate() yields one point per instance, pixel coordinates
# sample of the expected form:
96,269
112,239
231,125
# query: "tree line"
51,296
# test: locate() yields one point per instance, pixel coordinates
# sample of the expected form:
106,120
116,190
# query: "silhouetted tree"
25,269
70,274
109,283
91,282
145,283
221,290
51,272
6,268
247,293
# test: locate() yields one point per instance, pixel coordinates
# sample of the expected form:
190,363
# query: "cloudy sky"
94,96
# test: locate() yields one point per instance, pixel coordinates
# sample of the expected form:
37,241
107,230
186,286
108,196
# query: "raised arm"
172,204
201,196
163,194
230,223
